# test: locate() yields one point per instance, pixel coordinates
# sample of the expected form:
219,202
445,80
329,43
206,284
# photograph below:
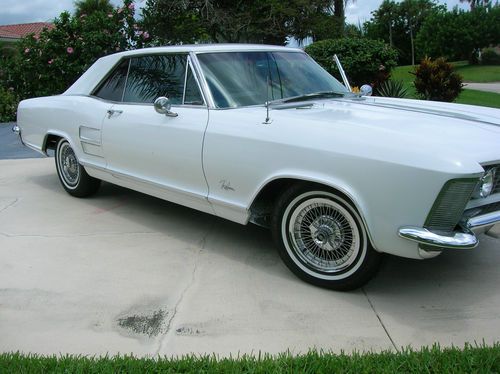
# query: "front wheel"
322,239
72,175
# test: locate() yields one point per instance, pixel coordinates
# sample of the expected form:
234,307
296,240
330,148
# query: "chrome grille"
496,183
450,204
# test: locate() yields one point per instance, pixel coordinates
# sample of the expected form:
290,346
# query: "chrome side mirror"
162,105
366,90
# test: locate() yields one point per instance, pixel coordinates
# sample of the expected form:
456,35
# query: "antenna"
267,121
342,73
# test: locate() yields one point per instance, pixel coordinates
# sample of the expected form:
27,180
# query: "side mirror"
366,90
162,105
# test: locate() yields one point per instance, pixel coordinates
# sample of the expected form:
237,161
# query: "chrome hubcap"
324,235
69,165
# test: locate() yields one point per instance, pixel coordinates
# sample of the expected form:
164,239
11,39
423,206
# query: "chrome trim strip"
205,90
458,240
130,178
487,219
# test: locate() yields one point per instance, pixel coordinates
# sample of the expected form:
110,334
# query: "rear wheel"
322,239
72,175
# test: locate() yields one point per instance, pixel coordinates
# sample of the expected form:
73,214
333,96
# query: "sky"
24,11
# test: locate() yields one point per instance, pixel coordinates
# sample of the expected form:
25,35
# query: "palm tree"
339,10
476,3
91,6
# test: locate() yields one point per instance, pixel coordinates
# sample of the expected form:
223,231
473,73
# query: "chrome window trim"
209,100
126,79
143,104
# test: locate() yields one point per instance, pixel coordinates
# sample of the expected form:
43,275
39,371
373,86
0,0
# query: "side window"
153,76
112,88
192,95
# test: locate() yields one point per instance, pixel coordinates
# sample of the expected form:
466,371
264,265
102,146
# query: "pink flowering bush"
49,64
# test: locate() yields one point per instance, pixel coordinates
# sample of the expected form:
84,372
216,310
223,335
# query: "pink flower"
145,35
70,50
27,50
51,61
110,15
119,10
131,6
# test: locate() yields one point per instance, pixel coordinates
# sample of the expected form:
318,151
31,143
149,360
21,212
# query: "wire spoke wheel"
72,175
68,165
322,238
324,235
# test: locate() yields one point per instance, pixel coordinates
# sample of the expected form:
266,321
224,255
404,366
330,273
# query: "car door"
161,154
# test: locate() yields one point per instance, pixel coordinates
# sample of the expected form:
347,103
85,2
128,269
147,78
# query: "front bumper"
464,239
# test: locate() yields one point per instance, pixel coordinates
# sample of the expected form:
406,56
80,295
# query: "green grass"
478,73
470,359
482,98
474,73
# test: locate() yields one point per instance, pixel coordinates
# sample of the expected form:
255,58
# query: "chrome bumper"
17,130
465,239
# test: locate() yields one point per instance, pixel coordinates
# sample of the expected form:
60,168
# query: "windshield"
240,79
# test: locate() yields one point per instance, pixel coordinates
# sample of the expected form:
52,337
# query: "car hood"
420,129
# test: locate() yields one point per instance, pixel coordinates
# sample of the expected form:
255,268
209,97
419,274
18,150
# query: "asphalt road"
125,272
10,145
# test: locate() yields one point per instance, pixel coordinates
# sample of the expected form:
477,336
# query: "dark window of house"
112,88
153,76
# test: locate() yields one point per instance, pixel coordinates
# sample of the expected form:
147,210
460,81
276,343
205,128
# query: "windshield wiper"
305,97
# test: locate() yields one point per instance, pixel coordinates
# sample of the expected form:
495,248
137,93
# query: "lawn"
470,359
470,73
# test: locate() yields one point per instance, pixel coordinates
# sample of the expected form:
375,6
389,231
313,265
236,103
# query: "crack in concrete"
9,205
203,242
176,308
380,319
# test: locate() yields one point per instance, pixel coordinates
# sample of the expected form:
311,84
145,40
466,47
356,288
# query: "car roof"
88,81
208,48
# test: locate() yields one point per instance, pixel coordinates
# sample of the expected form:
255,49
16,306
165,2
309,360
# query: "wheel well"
51,142
263,204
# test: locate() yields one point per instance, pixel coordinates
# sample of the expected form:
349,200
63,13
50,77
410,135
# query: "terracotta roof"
20,30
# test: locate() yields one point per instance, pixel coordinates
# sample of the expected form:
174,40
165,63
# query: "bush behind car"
365,61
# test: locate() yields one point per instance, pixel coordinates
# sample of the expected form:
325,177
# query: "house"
12,33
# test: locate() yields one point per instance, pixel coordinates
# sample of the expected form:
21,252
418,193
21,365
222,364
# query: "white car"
263,134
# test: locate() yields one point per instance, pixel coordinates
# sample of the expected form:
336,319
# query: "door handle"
112,112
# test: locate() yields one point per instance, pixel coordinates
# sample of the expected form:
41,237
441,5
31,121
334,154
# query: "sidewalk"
489,87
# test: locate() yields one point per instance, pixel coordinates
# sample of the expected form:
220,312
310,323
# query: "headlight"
486,183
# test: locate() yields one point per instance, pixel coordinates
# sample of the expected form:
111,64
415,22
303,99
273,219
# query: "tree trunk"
339,13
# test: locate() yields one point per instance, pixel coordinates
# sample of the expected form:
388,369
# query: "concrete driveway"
125,272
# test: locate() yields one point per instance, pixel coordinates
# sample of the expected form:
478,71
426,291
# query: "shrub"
8,105
392,88
364,60
437,80
490,56
50,63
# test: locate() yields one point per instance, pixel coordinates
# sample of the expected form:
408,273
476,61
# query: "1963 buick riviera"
263,134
